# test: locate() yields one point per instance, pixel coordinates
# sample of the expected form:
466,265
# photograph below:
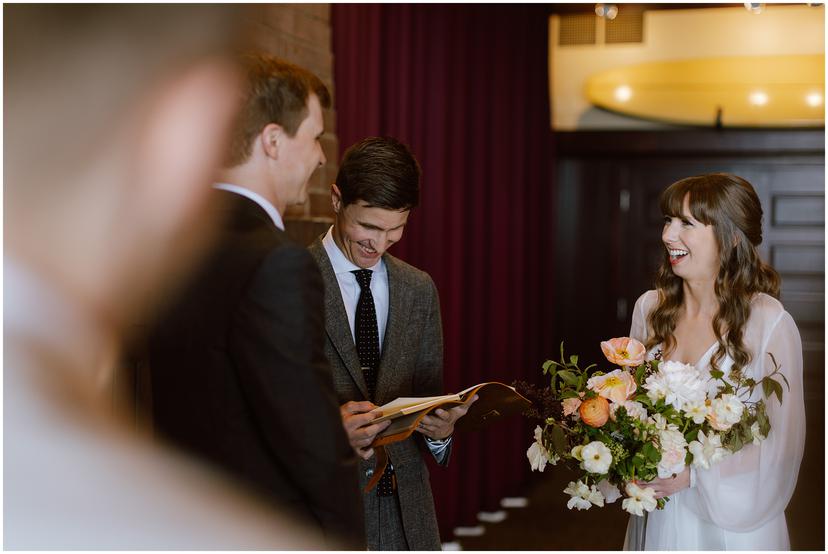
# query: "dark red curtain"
466,86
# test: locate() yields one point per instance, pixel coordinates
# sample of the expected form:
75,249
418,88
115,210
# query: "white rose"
673,452
725,412
597,457
707,450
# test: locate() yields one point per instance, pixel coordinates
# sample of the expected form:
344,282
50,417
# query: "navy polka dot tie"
365,331
367,346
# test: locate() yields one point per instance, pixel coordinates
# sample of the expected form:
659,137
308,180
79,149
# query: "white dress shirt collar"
258,199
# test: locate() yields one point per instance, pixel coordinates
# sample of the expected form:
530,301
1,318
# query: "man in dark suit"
238,369
382,318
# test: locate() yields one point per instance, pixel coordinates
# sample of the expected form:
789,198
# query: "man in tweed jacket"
377,186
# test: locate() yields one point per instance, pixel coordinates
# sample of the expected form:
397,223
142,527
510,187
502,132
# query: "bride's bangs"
700,200
672,199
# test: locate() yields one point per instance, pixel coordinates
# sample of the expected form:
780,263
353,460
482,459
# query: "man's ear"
271,138
336,198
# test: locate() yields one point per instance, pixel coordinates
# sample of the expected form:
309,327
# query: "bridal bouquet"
639,421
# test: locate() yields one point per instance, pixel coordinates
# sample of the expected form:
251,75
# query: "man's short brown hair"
276,92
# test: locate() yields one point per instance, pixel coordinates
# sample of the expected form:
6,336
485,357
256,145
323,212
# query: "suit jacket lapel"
399,308
336,320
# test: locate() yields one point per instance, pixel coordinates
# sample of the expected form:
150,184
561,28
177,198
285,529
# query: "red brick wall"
301,33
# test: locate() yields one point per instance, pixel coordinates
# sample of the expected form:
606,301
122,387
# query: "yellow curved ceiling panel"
741,91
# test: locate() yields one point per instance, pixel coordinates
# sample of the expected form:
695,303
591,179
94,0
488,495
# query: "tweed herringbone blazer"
411,364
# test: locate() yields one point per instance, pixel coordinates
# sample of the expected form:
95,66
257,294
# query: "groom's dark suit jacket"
239,374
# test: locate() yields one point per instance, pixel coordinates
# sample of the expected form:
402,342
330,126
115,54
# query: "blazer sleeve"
277,340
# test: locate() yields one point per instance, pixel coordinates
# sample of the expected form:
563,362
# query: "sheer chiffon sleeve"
751,487
638,328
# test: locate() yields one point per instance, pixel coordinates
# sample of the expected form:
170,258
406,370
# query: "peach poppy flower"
624,351
616,385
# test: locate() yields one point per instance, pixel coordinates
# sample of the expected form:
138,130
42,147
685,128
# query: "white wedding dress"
739,503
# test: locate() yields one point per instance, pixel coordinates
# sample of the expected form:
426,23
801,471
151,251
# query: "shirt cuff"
440,449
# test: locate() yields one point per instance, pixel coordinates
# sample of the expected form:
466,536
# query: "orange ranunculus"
594,411
624,351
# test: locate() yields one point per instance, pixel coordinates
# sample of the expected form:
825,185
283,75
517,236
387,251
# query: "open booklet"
406,405
495,401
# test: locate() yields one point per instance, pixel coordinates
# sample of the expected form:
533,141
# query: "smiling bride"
715,306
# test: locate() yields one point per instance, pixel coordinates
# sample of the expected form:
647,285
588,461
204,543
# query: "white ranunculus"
639,499
597,457
697,411
707,450
583,497
725,412
609,491
673,452
757,434
635,410
676,383
538,455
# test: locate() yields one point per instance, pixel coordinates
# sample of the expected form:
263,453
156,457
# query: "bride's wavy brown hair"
731,206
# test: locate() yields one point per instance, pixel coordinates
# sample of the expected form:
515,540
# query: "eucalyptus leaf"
559,440
569,377
777,388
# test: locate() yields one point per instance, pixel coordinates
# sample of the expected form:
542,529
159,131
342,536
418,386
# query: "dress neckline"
703,356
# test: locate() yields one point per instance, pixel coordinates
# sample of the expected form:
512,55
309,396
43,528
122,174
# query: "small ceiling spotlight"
814,99
607,11
623,93
815,4
758,98
754,7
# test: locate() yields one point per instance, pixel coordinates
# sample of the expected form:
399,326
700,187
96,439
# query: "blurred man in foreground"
116,119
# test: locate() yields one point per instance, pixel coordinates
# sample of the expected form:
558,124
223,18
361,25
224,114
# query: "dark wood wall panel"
798,210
